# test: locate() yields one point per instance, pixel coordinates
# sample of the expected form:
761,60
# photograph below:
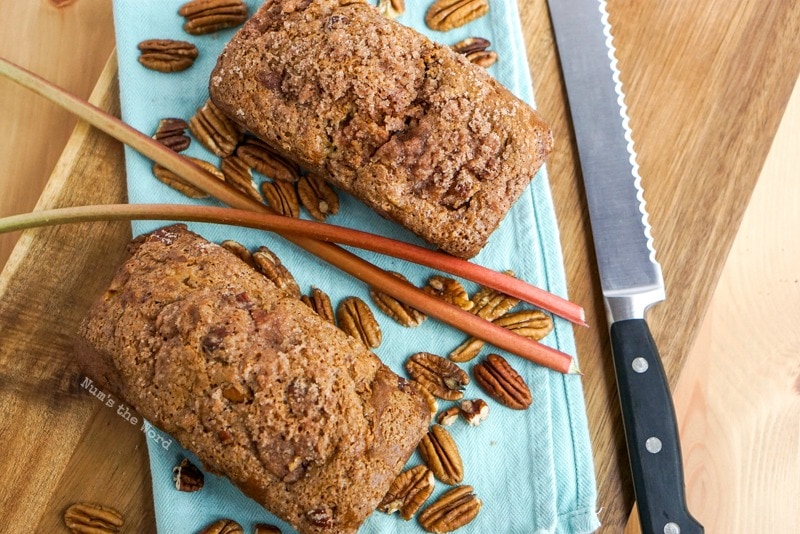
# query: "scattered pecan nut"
171,179
167,55
258,155
84,517
171,133
430,400
282,197
474,411
441,377
238,174
402,313
215,130
501,382
439,452
475,49
533,324
445,15
454,509
449,416
408,492
467,350
491,304
356,319
320,302
187,476
391,9
450,290
208,16
268,264
317,197
263,528
239,250
223,526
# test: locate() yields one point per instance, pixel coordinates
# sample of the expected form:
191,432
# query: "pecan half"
320,302
491,304
441,377
317,197
467,350
408,492
171,133
215,130
223,526
177,183
84,517
258,155
444,15
187,476
430,400
475,50
448,417
501,382
454,509
356,319
450,290
208,16
391,9
282,197
439,452
238,174
239,250
402,313
167,55
263,528
533,324
268,264
474,411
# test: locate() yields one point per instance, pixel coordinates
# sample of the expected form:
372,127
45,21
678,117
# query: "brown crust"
406,125
301,417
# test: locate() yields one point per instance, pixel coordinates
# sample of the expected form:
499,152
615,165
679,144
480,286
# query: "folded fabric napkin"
532,469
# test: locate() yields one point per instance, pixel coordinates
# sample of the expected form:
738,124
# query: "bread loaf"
303,418
404,124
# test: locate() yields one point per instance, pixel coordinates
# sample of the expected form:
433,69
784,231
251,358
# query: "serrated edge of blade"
623,111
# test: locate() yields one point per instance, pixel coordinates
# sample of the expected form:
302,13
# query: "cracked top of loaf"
406,125
299,415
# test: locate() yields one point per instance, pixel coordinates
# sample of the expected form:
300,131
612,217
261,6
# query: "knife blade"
630,277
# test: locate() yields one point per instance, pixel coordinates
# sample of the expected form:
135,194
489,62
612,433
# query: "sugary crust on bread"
406,125
299,415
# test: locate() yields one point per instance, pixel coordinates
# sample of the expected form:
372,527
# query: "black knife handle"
651,431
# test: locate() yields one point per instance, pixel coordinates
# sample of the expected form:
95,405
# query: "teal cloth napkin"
532,469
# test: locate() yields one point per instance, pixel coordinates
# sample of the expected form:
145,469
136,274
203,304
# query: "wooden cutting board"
706,86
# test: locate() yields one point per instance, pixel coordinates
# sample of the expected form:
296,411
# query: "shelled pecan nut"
391,9
475,49
474,411
501,382
408,492
444,15
239,250
258,155
533,324
467,350
223,526
483,58
167,55
441,377
450,290
356,319
454,509
187,476
491,304
214,130
282,197
84,517
208,16
171,132
319,198
171,179
263,528
430,400
402,313
320,302
439,452
238,174
268,264
449,416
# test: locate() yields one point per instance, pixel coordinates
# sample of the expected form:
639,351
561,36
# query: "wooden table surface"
707,84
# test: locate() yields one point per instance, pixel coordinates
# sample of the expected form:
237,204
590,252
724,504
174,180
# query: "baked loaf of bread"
404,124
303,418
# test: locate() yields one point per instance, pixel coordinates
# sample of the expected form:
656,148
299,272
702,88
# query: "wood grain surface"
706,87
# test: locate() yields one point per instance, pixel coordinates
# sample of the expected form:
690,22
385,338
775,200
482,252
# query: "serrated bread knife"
630,277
